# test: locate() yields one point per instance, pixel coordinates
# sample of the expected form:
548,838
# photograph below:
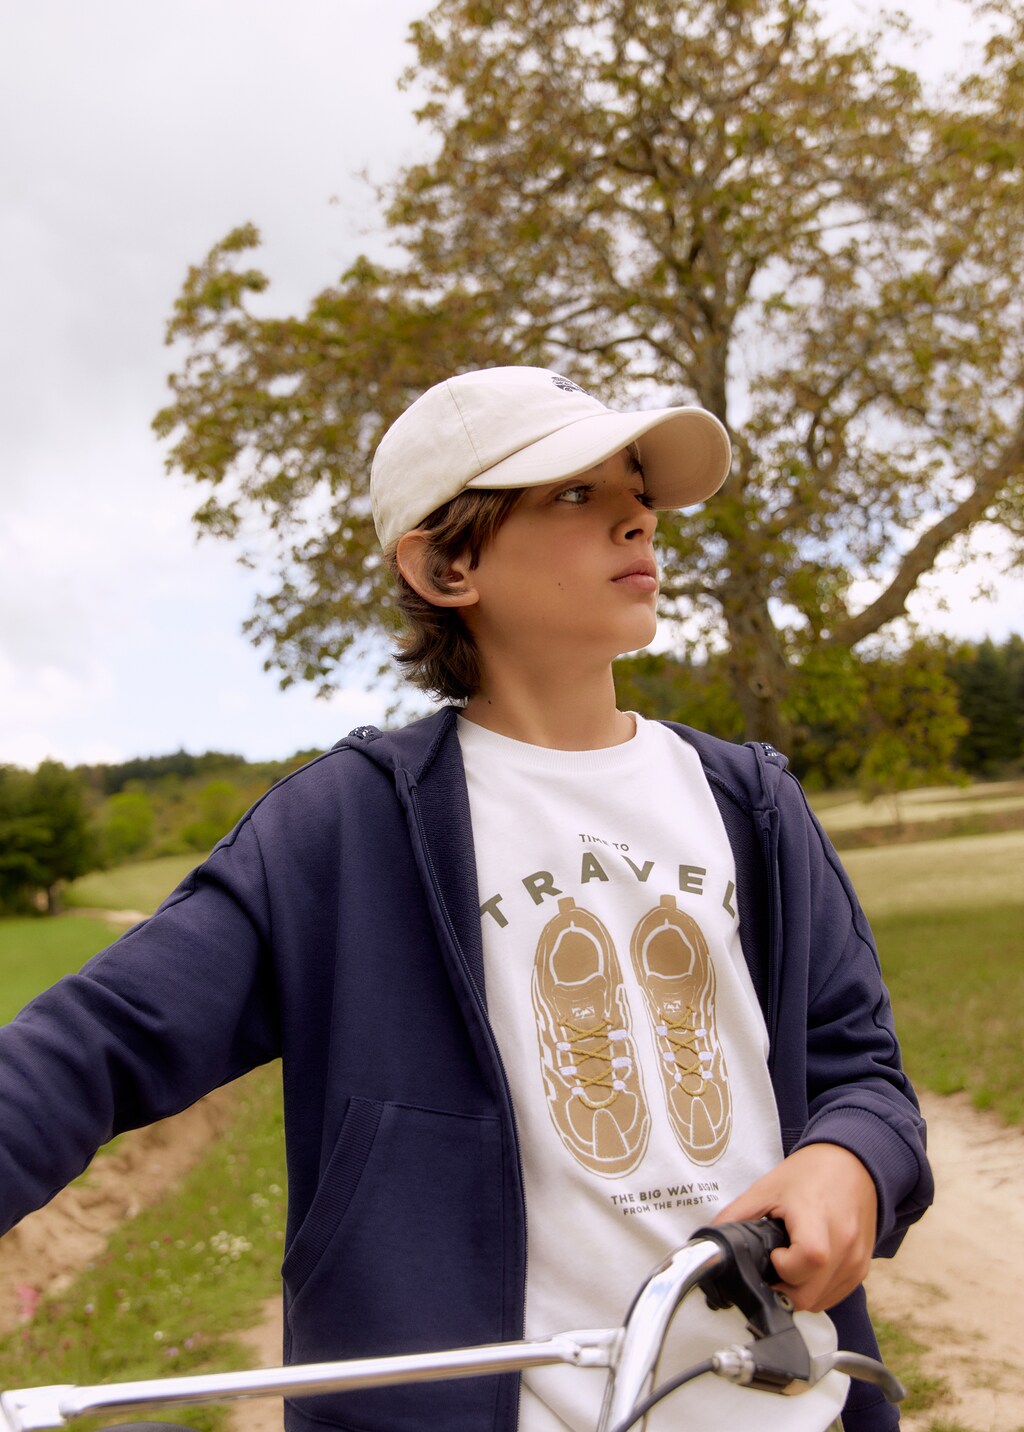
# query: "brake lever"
864,1369
778,1359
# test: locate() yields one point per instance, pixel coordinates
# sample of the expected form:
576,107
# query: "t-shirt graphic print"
589,1061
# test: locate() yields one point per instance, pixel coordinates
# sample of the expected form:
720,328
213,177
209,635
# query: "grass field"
177,1280
35,953
963,873
839,810
948,916
957,983
141,886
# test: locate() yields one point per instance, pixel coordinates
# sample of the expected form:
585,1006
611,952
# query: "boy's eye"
576,496
581,492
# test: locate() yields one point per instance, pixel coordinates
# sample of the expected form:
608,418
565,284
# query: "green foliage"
170,805
45,833
886,723
911,723
990,688
145,771
661,687
681,200
220,808
128,825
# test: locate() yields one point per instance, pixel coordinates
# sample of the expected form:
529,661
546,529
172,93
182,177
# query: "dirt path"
122,918
938,1289
955,1282
46,1250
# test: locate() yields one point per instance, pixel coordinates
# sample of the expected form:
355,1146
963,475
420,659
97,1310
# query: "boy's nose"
639,523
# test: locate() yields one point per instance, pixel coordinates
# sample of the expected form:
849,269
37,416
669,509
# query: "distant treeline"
989,683
149,769
57,824
934,712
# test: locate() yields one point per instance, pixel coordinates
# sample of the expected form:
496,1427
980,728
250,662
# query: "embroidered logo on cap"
567,386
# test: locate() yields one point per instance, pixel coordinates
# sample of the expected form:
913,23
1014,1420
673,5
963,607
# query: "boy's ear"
417,562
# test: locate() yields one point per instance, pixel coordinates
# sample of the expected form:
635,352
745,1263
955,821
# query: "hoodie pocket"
335,1191
401,1251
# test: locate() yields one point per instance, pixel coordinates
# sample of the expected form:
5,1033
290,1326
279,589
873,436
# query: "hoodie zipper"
411,794
766,822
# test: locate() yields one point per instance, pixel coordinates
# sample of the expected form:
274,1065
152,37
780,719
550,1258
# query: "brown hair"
437,650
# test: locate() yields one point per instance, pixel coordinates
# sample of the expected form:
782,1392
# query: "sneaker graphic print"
592,1079
674,969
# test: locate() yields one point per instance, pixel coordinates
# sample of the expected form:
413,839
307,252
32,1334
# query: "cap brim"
685,453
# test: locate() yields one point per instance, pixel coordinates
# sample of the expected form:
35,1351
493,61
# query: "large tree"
670,200
46,837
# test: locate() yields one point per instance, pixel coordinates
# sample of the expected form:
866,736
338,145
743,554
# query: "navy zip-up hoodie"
338,926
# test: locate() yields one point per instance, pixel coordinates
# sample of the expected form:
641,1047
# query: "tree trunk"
759,672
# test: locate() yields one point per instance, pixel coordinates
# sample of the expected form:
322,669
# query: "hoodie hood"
413,749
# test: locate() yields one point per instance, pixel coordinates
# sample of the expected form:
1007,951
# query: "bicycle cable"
642,1408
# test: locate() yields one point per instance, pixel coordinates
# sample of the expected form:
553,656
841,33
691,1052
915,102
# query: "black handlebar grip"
772,1233
743,1278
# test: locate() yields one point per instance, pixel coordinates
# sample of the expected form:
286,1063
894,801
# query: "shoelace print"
605,1077
682,1035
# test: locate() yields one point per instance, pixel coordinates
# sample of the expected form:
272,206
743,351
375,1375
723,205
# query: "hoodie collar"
412,749
752,783
749,774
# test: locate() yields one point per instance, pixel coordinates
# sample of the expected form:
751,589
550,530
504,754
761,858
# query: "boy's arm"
835,1060
858,1095
179,1005
858,1174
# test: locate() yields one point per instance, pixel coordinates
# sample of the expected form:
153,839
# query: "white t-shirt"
634,1045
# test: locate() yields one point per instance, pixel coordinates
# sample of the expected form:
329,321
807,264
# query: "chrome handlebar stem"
631,1375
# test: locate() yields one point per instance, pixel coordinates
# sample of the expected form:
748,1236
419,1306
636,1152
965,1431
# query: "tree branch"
921,558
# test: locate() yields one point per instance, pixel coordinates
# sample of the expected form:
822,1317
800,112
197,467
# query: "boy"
533,953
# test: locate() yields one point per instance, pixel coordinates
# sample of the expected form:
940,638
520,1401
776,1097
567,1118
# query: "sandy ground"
46,1250
953,1285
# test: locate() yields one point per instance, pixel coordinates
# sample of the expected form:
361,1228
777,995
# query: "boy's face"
570,570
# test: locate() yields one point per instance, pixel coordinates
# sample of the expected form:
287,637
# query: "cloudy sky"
136,135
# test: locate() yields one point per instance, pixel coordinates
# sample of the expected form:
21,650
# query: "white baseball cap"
522,427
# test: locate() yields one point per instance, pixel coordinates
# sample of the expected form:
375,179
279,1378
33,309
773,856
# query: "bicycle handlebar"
730,1263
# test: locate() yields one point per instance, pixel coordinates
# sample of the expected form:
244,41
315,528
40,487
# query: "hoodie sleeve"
182,1003
858,1095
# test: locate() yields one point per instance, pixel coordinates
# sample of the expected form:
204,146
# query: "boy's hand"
827,1200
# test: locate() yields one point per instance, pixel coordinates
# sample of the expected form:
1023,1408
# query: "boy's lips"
641,576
